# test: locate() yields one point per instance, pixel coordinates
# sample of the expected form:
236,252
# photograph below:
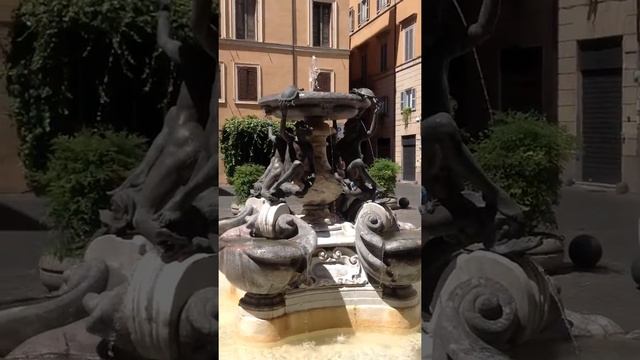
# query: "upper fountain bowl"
328,105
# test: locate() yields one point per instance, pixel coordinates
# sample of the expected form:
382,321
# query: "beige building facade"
598,97
385,41
267,45
11,169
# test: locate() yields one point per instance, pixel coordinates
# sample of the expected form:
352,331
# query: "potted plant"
406,115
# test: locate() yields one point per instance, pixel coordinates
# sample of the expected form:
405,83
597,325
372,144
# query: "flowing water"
563,314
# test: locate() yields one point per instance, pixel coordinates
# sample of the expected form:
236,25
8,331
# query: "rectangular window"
383,57
363,11
385,104
247,83
324,81
322,24
382,4
409,41
245,19
221,84
351,20
408,99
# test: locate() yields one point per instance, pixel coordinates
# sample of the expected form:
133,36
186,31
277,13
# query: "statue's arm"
478,31
170,46
271,136
283,131
377,114
202,28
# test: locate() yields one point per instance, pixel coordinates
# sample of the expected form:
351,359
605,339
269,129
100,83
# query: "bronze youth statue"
177,155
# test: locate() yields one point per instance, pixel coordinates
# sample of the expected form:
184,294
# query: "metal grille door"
601,125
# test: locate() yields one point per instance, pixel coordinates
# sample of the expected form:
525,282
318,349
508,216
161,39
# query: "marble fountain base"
355,308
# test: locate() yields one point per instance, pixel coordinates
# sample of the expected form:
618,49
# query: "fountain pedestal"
326,188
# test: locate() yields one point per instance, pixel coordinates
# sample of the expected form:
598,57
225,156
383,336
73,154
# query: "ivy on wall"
82,63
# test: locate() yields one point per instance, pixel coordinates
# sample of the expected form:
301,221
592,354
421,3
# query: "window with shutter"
245,18
324,81
321,24
409,41
247,83
408,99
403,100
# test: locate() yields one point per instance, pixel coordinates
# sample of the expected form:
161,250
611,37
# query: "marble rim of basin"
328,105
388,254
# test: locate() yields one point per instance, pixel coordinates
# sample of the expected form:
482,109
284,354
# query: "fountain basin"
310,311
265,267
327,105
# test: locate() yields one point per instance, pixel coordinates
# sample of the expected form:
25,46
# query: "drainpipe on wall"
293,42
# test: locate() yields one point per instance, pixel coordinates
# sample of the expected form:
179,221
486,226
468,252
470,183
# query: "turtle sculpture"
288,98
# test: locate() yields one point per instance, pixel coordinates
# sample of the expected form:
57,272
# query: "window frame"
405,31
258,22
412,96
381,5
362,20
222,97
333,29
352,25
236,83
332,77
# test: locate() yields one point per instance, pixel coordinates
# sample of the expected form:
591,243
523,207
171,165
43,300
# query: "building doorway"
409,158
601,126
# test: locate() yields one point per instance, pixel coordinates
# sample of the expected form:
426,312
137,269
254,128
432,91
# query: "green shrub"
384,172
245,140
82,168
524,154
244,178
73,60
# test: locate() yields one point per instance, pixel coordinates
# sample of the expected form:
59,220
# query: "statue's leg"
357,172
271,179
296,170
441,129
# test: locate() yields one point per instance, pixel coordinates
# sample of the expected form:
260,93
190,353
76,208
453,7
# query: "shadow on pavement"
14,220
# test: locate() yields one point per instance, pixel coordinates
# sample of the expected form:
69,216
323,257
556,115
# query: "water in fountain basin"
336,344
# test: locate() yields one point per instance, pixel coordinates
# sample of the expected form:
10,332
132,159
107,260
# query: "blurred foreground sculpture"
148,286
488,301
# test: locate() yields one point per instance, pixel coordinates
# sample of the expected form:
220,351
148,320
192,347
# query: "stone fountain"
344,261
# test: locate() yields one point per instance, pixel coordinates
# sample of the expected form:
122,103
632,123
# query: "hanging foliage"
79,63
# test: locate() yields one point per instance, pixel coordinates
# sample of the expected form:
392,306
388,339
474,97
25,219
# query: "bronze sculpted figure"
349,153
447,161
145,201
291,170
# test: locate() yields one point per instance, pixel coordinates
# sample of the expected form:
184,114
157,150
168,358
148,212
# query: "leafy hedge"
524,154
245,140
80,63
244,178
81,170
384,172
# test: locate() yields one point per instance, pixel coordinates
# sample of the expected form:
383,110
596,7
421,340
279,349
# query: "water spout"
313,74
